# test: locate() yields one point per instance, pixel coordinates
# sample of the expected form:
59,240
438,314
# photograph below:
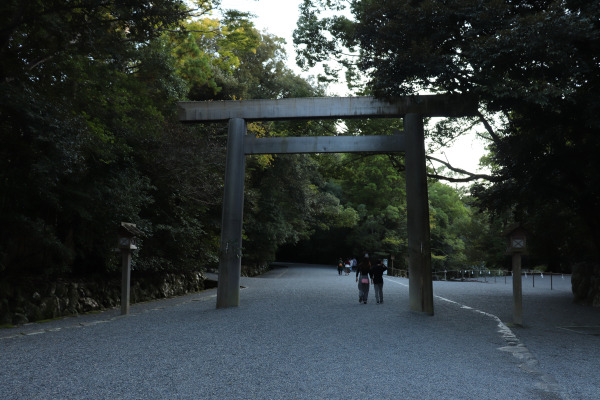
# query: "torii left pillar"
230,265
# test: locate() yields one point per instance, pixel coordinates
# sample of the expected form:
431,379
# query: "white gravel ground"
300,333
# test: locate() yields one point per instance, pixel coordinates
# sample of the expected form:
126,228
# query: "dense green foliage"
81,83
371,190
90,138
533,65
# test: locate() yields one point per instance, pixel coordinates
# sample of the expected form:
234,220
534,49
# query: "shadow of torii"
412,108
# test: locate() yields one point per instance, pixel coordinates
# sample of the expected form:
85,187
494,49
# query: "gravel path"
300,333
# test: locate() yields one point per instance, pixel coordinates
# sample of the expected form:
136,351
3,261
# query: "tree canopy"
88,93
88,123
533,65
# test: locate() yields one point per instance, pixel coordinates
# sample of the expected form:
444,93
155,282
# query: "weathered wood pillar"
417,204
125,280
517,290
230,263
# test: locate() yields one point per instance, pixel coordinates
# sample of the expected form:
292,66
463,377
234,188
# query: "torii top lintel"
327,108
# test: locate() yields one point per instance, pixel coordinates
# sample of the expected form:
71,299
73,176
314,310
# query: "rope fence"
487,275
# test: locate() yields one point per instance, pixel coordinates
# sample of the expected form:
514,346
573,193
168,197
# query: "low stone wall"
255,270
36,300
585,283
402,273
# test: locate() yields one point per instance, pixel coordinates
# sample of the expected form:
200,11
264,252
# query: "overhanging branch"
469,175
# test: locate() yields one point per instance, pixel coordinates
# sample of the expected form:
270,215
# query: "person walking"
340,266
347,267
377,274
363,272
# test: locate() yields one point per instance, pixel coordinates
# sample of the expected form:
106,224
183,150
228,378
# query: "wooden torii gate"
412,108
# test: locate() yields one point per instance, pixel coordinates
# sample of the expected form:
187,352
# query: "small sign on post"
517,246
127,243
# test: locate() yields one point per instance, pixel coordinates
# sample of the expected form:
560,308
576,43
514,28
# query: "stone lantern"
128,233
517,239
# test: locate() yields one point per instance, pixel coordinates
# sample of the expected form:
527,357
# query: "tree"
537,51
448,219
534,62
81,83
287,205
209,52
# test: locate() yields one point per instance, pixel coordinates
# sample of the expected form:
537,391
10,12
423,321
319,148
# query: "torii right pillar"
417,204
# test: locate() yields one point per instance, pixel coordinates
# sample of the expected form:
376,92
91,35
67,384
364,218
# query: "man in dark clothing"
377,273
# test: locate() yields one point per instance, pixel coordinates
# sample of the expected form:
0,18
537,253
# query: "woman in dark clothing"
362,277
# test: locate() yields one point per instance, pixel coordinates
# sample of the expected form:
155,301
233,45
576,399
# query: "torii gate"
239,144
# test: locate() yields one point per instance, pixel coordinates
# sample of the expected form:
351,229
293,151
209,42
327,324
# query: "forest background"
90,136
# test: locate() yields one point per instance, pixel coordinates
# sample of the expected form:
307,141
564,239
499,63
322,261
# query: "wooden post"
517,290
125,280
420,285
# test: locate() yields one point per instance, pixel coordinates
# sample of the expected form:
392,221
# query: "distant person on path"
362,277
347,267
340,266
377,274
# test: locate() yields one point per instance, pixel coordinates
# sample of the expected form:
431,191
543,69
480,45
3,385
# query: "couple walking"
374,274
